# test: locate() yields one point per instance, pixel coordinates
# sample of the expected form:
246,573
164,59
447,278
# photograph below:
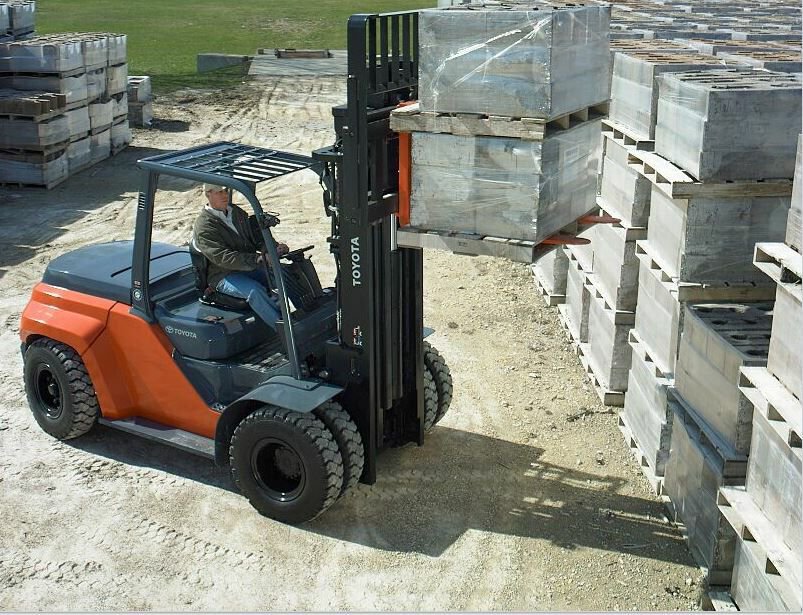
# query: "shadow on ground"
426,498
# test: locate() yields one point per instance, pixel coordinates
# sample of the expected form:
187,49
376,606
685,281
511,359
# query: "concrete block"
100,114
78,121
33,168
540,63
22,16
18,133
96,84
786,342
120,135
658,319
709,240
100,146
578,299
608,348
717,340
79,155
503,187
622,188
634,93
616,265
551,271
41,55
699,464
5,20
140,114
729,124
120,105
118,49
795,220
139,88
74,88
207,62
117,79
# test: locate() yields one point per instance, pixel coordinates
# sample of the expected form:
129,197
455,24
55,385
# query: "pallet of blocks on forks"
608,351
140,114
718,339
723,125
774,466
75,88
117,79
540,62
659,313
139,88
41,54
622,188
766,573
795,220
699,464
34,168
549,275
783,265
634,93
503,187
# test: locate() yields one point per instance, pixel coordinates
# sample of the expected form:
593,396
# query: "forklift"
128,335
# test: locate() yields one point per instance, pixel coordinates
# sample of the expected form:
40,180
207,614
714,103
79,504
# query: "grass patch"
164,36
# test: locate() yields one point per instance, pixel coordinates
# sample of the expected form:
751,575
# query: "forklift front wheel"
59,390
286,463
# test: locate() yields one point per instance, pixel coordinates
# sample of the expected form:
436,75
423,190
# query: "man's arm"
222,255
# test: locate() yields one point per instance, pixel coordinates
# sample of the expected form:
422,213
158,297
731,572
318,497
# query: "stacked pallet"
88,74
140,109
728,128
17,19
510,129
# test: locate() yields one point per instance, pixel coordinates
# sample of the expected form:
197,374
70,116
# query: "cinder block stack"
509,129
17,19
45,146
140,108
699,233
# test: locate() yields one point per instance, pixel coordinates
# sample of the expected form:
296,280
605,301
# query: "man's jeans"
251,286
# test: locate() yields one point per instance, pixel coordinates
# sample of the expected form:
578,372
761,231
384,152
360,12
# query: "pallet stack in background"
85,123
140,109
510,129
17,20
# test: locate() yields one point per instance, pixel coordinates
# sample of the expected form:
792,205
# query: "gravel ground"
523,498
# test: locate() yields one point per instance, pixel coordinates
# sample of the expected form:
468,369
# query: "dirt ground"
523,498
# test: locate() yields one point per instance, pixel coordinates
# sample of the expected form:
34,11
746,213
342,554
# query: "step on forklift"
126,333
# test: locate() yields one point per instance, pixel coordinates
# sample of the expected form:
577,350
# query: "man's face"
218,199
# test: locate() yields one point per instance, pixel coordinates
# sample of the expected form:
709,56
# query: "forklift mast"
378,357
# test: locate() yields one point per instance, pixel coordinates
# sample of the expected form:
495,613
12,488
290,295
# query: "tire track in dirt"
17,568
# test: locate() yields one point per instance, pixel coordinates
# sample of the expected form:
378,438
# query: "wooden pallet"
717,599
607,396
677,184
624,136
752,526
551,300
518,250
38,106
780,262
566,322
656,482
774,401
411,119
696,292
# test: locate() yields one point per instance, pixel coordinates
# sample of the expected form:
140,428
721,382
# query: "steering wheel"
297,254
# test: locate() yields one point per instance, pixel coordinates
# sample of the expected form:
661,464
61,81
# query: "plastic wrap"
551,269
41,55
539,63
117,45
120,105
780,61
786,343
74,88
100,114
578,300
22,16
693,476
774,478
24,134
117,79
717,340
100,146
622,188
616,266
79,155
712,239
634,95
608,349
96,84
503,187
795,220
39,173
729,124
78,121
5,19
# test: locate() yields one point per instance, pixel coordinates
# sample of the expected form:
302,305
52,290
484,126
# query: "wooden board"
605,394
551,300
624,136
656,482
677,184
518,250
774,401
781,263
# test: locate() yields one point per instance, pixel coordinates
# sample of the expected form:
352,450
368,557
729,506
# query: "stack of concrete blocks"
711,426
699,233
140,107
486,67
83,68
17,19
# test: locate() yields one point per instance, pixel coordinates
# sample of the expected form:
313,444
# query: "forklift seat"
208,295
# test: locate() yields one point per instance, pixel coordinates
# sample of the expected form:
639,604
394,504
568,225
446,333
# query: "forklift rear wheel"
430,400
436,364
286,463
59,390
348,441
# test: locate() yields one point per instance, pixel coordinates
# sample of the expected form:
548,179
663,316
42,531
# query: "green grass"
164,36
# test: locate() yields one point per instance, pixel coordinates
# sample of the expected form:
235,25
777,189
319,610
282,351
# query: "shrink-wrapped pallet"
21,16
100,114
79,155
78,121
117,79
20,133
539,62
96,84
722,125
41,55
74,88
34,169
5,23
503,187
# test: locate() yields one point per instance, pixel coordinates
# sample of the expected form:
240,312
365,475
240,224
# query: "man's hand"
282,249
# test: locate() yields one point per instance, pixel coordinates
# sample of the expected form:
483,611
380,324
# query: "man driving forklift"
228,238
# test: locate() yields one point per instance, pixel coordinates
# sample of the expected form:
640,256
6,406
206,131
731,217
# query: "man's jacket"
226,250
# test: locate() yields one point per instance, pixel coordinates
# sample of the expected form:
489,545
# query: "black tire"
436,364
430,400
286,463
59,390
348,438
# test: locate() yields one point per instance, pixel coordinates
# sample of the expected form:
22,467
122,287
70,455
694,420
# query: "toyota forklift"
128,335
